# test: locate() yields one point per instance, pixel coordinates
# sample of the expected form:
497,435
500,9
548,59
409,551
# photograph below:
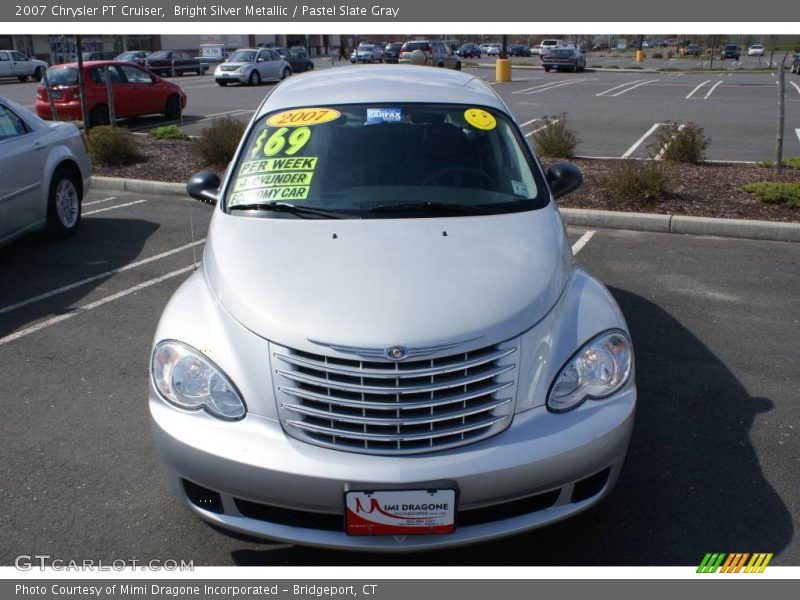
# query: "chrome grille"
388,407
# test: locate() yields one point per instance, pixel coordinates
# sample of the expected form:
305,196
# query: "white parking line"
713,87
99,210
639,142
616,87
663,149
797,131
633,87
92,305
72,286
544,87
582,241
529,122
797,87
690,94
538,129
193,119
99,201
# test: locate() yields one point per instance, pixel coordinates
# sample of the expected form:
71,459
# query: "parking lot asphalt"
614,114
714,457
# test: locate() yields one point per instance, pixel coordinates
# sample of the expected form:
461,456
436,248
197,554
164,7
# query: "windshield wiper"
292,209
458,209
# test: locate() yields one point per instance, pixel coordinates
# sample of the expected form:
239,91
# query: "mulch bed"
708,190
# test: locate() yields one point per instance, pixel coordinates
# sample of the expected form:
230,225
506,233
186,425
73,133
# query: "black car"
99,55
297,57
519,50
469,51
169,62
731,51
391,53
134,56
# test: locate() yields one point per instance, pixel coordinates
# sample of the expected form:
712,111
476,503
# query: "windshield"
126,56
422,155
62,76
242,56
159,55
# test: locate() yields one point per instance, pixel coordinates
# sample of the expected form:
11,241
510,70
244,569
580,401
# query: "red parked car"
136,92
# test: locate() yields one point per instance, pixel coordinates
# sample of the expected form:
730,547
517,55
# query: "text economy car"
252,66
394,342
14,63
44,173
136,92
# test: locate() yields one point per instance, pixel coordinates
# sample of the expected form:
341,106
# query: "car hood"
237,65
378,282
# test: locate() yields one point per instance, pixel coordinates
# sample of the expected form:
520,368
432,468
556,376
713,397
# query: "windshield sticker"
257,196
384,115
303,116
300,163
520,189
480,119
272,144
279,179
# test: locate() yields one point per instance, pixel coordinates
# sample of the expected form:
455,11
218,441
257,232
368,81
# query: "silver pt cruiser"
388,345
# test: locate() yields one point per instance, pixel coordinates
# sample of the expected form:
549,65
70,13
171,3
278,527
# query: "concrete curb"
580,217
728,228
142,186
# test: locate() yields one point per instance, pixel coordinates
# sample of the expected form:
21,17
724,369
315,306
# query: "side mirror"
564,178
204,186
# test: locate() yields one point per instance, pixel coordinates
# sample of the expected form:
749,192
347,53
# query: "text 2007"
34,10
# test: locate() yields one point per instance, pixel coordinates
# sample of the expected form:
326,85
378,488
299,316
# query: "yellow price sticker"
297,117
480,119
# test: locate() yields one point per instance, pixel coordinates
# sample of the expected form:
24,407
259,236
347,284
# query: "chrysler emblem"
396,353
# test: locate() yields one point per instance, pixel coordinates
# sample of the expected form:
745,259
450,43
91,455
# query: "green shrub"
218,142
638,180
112,146
658,55
793,162
680,143
771,192
554,139
169,132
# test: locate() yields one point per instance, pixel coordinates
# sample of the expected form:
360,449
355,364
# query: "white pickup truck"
14,63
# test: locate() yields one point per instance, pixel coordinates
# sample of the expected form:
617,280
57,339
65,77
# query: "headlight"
185,378
600,368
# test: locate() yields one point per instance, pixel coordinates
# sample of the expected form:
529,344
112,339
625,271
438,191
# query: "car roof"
364,84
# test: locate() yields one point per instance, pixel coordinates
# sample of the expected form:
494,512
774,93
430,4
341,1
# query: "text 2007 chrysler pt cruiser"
389,346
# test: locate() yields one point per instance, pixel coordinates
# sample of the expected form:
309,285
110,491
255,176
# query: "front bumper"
234,76
536,462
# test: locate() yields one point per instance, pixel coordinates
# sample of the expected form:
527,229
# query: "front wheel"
285,74
222,83
99,116
38,74
64,203
254,79
547,69
173,108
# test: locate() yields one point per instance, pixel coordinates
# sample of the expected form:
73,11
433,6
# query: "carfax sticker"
384,115
297,117
480,119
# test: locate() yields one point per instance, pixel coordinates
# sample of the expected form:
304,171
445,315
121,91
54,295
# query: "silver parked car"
367,53
252,66
44,172
429,53
14,63
394,342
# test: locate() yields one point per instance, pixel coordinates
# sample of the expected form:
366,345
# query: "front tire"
173,108
64,203
99,116
222,83
23,78
38,74
286,73
458,66
254,79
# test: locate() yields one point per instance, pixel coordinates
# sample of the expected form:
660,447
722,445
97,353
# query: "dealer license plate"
400,512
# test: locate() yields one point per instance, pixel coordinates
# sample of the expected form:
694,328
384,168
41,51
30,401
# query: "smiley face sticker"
480,119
